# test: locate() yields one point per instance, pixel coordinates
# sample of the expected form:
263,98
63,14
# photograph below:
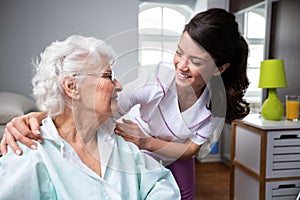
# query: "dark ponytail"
236,82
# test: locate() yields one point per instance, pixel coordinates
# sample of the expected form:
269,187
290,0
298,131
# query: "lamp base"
272,108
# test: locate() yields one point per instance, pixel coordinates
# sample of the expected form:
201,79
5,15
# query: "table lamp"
272,76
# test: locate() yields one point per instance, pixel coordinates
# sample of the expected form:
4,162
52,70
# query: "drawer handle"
287,186
288,136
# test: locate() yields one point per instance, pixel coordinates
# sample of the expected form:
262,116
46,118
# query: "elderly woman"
81,157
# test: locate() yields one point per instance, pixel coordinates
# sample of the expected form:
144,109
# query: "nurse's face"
194,66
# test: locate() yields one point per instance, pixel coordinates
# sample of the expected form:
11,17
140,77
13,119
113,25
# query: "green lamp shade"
272,74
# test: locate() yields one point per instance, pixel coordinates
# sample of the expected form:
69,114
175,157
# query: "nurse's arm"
23,129
171,149
131,132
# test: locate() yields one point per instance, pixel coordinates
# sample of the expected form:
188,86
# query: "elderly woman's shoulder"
29,159
141,158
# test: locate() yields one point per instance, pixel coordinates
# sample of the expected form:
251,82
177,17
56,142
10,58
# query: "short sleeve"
213,130
144,91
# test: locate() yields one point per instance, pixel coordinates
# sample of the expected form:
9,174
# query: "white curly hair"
61,59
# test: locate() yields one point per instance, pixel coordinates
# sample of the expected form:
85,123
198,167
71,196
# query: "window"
160,26
252,24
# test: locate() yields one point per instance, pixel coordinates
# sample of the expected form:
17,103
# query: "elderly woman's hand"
131,132
24,129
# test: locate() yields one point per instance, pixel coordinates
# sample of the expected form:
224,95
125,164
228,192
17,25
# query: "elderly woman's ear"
70,87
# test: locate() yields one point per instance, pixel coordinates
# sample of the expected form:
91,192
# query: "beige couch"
13,105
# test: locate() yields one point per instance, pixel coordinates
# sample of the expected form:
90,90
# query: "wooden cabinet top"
256,120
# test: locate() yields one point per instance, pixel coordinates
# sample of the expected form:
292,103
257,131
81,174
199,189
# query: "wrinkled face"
194,66
98,90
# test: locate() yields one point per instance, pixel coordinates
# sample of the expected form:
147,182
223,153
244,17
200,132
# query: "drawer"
287,190
283,154
248,188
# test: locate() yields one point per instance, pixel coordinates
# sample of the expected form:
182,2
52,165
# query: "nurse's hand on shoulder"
131,132
24,129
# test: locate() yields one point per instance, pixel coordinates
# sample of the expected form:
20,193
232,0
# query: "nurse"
182,104
178,107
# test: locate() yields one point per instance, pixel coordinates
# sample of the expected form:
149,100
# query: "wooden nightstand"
265,159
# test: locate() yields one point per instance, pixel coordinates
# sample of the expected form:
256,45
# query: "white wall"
202,5
28,26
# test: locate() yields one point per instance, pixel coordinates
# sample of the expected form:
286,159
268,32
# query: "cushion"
13,105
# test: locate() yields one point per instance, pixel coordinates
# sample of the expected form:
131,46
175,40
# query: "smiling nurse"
179,108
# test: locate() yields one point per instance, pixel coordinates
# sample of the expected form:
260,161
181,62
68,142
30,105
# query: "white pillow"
13,105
